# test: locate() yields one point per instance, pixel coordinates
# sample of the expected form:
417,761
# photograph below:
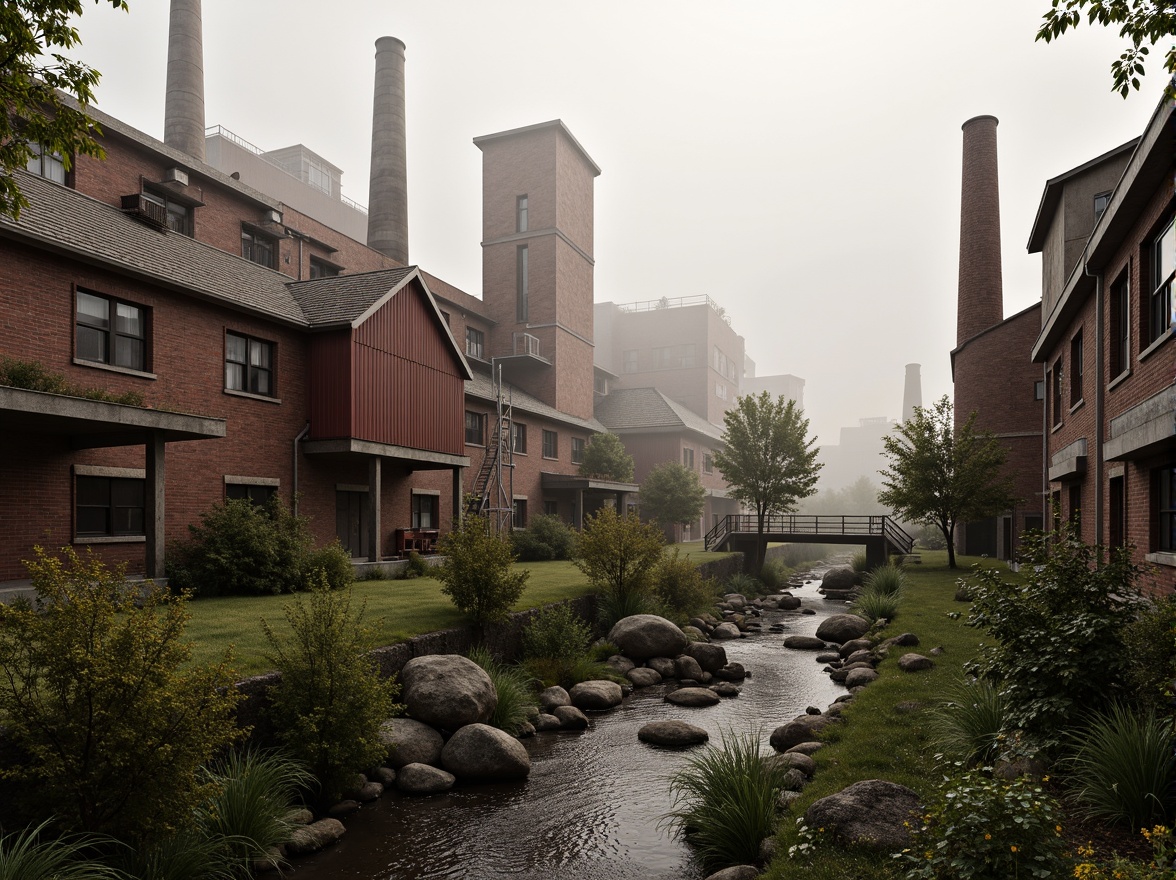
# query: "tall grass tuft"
886,580
743,583
877,606
725,801
969,724
25,856
186,855
860,562
1122,767
516,692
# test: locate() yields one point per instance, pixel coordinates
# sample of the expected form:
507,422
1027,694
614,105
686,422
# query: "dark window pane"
93,521
235,377
93,310
235,348
92,345
128,352
93,491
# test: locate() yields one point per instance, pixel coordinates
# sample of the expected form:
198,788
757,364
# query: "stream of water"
592,806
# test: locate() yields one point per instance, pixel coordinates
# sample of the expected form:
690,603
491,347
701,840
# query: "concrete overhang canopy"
417,459
1068,463
572,481
96,423
1146,429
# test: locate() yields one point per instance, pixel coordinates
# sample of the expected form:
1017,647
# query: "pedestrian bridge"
881,535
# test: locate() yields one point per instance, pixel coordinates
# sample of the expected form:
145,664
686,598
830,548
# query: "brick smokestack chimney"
981,300
183,109
912,392
388,190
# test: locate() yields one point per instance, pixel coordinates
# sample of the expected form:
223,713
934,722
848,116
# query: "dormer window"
257,247
46,163
1100,204
179,214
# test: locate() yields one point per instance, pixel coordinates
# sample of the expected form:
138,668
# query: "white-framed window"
110,331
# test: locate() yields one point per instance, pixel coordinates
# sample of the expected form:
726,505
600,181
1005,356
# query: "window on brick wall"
108,507
522,284
258,494
110,331
424,511
688,458
1056,391
1076,369
550,444
578,444
518,438
521,211
322,269
1075,499
257,247
708,463
46,163
475,343
249,365
1162,261
473,428
550,507
520,513
1120,331
1164,507
179,213
1118,512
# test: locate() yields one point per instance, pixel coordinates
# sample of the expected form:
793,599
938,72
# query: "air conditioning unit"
272,216
176,175
138,205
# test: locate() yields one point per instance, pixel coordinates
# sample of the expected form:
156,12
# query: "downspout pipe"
1099,331
301,436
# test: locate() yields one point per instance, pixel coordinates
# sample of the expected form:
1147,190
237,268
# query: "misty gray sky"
798,162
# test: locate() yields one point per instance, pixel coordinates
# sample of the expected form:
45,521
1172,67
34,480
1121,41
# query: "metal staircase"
491,496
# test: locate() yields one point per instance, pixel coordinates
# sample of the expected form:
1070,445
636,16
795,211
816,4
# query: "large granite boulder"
596,695
411,742
481,753
570,718
641,636
800,730
553,696
447,691
423,779
840,628
695,697
688,668
663,666
860,677
804,643
710,657
914,662
737,872
643,676
873,813
308,839
725,631
840,577
674,734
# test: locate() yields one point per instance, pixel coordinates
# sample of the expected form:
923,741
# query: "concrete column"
183,114
153,513
579,508
457,486
388,185
375,533
981,298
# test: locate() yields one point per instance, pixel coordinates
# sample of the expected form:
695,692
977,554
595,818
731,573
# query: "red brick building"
1105,233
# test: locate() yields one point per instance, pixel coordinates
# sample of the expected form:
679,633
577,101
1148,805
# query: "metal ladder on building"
491,496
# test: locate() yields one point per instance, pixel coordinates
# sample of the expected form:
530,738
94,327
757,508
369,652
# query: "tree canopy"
605,458
1140,21
942,475
33,74
767,458
672,494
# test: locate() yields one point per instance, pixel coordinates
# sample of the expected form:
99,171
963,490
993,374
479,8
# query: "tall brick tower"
537,264
388,183
981,298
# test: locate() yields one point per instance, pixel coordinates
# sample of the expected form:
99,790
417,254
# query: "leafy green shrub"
332,561
860,562
1059,647
545,537
1151,652
24,855
680,587
32,376
98,694
330,702
373,573
1122,767
930,537
981,828
968,726
515,689
417,567
602,649
725,801
743,583
619,556
887,580
556,632
877,606
477,573
242,548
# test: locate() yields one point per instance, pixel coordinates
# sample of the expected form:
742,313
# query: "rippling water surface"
591,807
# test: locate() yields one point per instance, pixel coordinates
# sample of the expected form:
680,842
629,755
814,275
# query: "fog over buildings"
800,166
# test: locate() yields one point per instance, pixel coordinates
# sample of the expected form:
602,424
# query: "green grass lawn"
880,740
397,609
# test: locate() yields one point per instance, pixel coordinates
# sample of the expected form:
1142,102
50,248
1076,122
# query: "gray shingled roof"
481,386
343,298
96,232
634,409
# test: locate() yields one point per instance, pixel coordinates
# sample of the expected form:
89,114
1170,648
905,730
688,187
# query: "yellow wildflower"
1013,848
988,837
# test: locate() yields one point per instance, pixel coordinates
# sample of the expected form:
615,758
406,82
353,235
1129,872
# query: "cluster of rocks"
851,656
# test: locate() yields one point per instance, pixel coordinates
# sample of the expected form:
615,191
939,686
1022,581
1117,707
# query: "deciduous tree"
33,74
619,555
1142,22
943,475
767,457
672,494
605,457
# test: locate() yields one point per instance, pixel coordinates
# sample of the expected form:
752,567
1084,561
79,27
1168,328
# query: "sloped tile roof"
95,232
343,298
482,386
633,409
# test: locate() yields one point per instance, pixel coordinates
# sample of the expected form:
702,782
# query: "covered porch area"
588,494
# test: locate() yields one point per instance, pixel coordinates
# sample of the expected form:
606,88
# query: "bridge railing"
811,524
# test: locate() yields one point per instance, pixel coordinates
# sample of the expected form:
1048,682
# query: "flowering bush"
981,828
1160,868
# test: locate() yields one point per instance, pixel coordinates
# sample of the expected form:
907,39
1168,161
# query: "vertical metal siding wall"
329,385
